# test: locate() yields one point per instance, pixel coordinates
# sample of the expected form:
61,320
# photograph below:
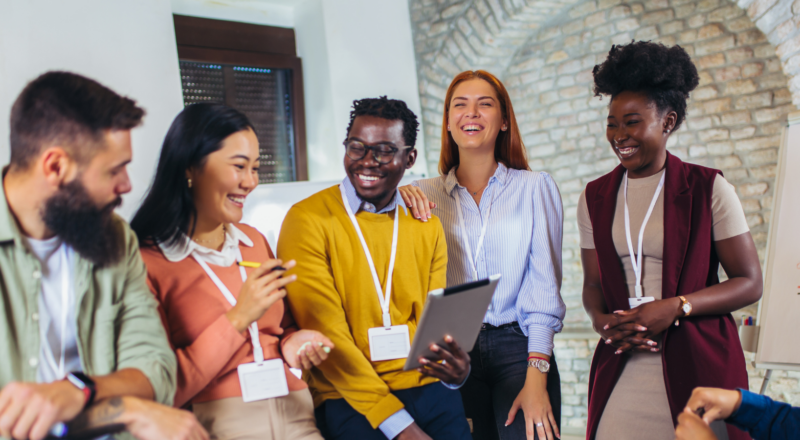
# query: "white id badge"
637,301
387,343
263,380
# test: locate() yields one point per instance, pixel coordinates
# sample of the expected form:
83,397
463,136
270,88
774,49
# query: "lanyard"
65,281
258,352
465,237
385,301
639,258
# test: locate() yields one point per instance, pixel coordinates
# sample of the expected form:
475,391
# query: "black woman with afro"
653,233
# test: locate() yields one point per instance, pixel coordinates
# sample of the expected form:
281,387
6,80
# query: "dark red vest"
704,350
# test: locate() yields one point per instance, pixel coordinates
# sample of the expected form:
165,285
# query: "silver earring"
448,127
190,182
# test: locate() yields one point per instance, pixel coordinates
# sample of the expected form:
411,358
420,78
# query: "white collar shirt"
224,257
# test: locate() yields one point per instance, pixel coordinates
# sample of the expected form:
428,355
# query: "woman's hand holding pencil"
263,288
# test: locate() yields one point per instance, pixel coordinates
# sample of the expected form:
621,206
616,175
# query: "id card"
387,343
637,301
263,380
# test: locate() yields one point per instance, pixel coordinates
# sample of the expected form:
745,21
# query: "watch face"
543,366
687,308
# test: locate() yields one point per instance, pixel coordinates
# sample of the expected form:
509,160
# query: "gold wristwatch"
686,306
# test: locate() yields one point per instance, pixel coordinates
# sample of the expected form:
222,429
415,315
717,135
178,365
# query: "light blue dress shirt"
397,422
523,243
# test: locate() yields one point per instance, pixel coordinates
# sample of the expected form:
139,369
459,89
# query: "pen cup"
748,335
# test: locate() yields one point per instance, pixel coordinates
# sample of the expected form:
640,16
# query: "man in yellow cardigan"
347,240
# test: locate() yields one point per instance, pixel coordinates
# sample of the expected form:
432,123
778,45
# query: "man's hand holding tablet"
454,367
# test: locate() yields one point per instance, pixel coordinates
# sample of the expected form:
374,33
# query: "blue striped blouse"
523,243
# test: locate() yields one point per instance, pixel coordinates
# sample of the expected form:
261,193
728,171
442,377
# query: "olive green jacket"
117,320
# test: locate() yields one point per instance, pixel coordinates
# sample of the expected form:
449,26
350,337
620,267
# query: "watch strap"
85,384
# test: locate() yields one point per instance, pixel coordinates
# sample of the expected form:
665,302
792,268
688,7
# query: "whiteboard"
779,311
266,207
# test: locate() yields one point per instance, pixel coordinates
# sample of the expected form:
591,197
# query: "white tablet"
457,311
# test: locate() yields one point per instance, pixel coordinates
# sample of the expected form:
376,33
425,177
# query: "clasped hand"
634,330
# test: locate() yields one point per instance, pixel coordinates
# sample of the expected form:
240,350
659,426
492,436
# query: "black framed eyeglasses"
384,154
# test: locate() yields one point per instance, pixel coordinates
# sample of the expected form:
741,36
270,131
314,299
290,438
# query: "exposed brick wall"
544,52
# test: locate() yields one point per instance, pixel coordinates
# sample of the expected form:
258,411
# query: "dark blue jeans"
436,409
499,368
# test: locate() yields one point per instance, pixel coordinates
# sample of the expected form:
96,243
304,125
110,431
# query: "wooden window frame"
228,42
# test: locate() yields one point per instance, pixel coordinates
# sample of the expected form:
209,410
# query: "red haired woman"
500,217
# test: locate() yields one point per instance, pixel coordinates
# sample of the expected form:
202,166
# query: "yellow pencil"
254,265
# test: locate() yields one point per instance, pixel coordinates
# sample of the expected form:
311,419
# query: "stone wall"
544,52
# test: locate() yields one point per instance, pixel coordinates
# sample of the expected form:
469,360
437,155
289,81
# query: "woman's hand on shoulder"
263,288
417,201
305,349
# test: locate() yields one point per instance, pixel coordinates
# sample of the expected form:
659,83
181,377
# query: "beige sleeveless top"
638,407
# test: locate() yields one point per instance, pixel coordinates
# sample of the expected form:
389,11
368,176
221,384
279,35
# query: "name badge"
387,343
263,380
637,301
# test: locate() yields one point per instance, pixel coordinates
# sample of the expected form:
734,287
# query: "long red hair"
508,148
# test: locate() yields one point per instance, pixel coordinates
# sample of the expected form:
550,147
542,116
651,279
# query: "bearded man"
78,324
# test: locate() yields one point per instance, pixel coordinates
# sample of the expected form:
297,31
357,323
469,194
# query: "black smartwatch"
85,384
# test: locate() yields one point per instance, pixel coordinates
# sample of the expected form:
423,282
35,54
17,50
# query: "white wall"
352,49
128,46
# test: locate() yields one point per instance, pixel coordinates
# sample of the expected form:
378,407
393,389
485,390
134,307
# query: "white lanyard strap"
638,258
465,237
65,281
258,352
385,300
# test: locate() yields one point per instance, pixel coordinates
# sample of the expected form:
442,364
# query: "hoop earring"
189,181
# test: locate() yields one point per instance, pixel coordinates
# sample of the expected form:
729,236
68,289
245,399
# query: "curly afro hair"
391,109
665,74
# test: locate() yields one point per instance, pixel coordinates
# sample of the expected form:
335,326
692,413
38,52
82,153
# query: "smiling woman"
195,248
500,217
653,233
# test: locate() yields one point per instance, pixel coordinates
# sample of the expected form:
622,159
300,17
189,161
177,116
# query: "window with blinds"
264,95
254,69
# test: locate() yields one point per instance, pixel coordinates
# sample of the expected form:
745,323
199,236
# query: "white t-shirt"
56,258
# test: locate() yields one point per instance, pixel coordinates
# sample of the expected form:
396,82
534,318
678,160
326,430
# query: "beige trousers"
287,417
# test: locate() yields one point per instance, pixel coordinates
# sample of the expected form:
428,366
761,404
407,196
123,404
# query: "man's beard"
80,223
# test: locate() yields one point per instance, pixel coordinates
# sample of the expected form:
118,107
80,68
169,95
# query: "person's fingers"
427,371
42,424
422,202
512,413
265,268
325,341
444,369
553,423
638,340
620,318
304,361
443,353
313,356
618,337
22,427
543,427
530,427
279,283
9,418
453,345
623,348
